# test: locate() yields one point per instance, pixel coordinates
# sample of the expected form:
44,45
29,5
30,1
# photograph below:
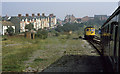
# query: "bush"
29,27
43,34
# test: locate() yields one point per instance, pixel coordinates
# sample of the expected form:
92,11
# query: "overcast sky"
60,9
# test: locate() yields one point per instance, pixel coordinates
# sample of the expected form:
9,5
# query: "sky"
60,0
60,9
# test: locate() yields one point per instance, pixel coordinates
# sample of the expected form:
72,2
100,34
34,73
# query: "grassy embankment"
17,50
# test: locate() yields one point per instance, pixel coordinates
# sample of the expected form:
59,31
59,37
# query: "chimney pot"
33,15
27,15
19,15
51,15
43,14
38,14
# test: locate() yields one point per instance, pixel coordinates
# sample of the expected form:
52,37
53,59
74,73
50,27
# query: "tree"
29,26
69,27
10,31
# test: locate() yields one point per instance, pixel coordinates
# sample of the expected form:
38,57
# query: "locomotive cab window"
90,29
87,30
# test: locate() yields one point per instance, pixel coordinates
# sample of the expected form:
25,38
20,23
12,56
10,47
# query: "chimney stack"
51,15
33,15
43,14
27,15
38,14
19,15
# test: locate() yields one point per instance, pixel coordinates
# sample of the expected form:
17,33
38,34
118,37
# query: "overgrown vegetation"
29,26
69,27
42,33
17,49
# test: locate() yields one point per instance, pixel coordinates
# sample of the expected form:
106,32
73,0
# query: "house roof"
16,18
34,17
7,23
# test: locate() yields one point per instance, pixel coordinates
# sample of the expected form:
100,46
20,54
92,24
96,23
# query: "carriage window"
112,29
108,28
87,29
112,25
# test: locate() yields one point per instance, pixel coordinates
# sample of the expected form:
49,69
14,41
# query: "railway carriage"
110,39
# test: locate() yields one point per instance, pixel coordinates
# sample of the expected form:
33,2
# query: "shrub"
57,34
29,26
43,34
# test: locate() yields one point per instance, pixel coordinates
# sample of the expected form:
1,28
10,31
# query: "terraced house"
38,21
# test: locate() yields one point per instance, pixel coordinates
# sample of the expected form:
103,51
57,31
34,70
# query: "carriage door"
114,45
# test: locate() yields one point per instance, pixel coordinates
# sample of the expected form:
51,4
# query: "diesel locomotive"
89,32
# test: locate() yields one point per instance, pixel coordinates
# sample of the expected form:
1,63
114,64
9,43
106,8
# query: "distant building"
16,21
101,17
59,22
69,19
77,20
86,18
52,21
6,25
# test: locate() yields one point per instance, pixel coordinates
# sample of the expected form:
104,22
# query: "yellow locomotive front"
89,32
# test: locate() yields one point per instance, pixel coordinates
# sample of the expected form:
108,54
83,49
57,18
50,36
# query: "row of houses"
38,21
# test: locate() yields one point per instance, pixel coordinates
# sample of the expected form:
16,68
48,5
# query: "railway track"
96,43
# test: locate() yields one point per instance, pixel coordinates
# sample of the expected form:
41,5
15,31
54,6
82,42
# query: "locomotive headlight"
92,29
